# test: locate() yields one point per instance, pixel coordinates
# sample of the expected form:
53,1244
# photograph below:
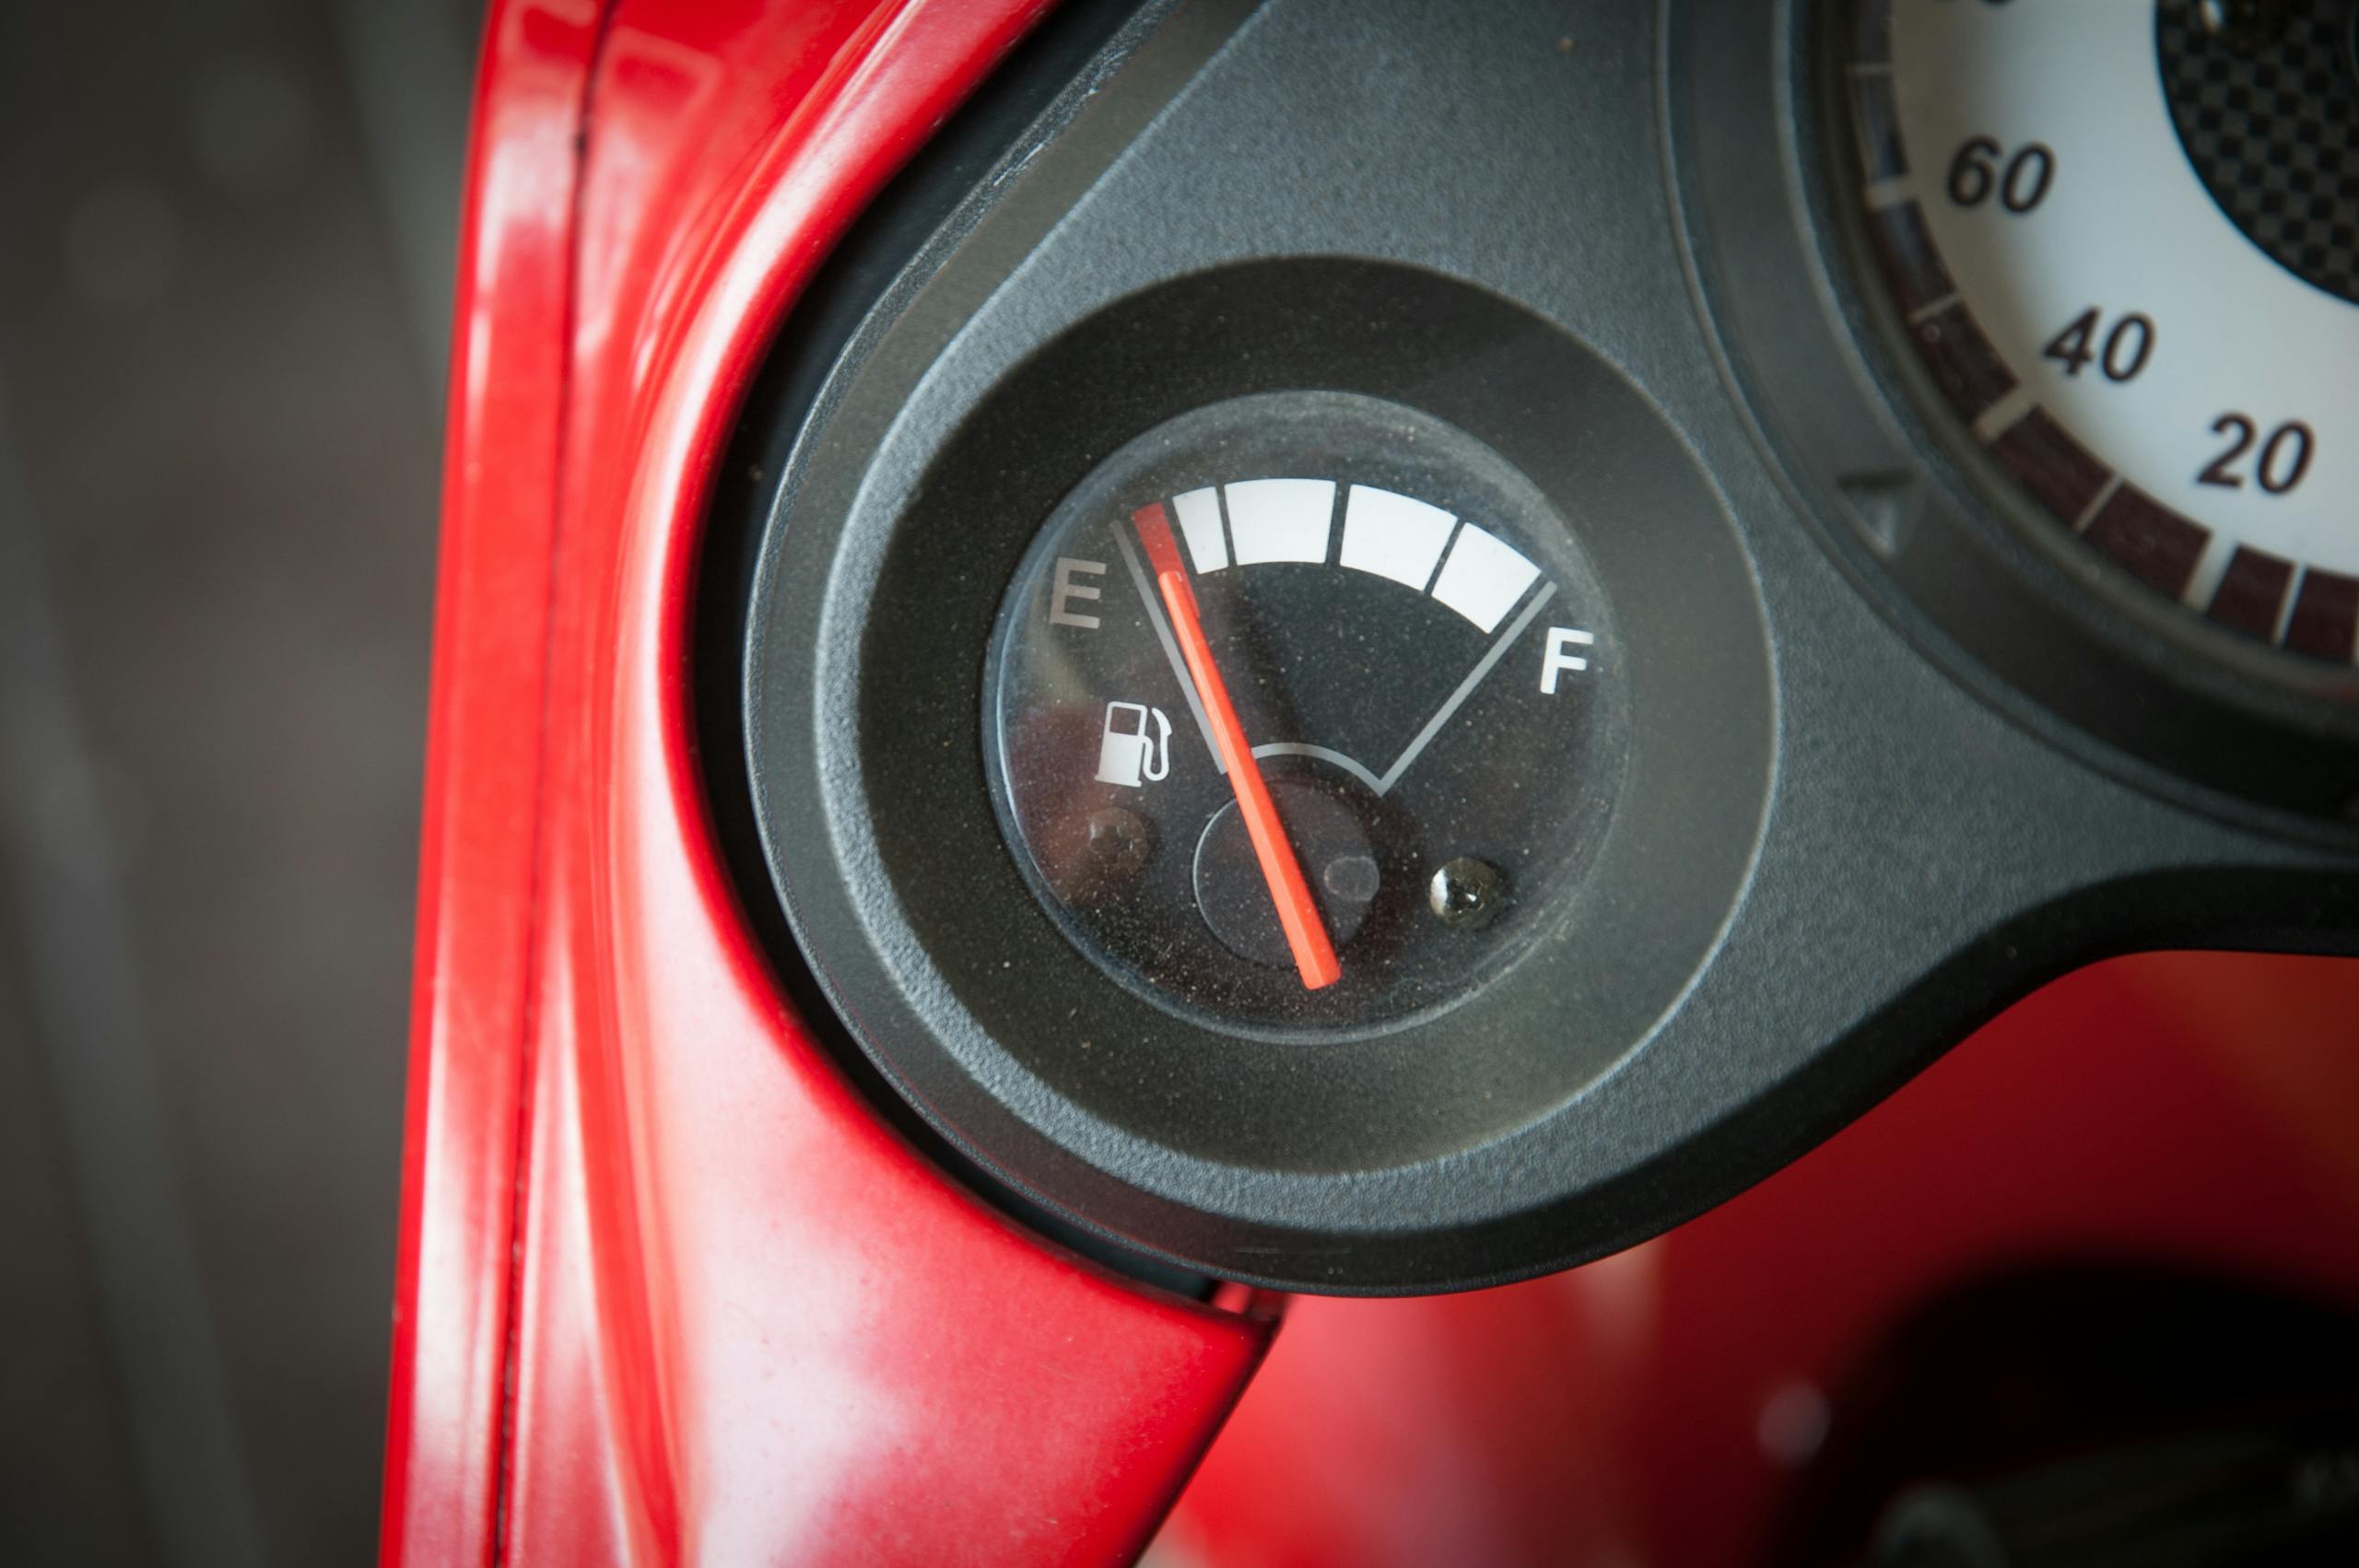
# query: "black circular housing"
1417,652
1400,1150
1965,554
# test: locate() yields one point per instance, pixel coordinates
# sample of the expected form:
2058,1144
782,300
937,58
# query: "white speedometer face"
2123,236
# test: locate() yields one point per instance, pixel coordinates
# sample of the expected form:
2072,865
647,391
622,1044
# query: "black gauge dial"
1346,619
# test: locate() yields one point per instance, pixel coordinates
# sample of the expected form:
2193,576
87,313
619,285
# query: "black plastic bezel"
1331,1160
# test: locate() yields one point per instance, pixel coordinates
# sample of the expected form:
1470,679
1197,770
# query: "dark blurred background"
227,230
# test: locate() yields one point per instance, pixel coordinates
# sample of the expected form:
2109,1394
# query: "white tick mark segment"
1280,519
1483,576
1200,526
1393,535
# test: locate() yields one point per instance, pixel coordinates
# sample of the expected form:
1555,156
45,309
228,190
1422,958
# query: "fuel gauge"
1299,712
1284,746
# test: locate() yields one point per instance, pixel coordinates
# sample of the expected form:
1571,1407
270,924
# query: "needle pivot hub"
1336,855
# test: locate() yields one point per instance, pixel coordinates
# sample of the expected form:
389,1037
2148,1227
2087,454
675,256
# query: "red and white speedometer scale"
2126,246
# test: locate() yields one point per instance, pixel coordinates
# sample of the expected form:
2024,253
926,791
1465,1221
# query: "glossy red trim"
742,1321
2192,1111
483,770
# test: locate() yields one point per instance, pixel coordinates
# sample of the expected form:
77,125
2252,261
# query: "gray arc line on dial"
1465,688
1324,753
1153,606
1433,726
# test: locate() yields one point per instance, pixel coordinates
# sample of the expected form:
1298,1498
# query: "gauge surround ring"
1397,1160
1934,532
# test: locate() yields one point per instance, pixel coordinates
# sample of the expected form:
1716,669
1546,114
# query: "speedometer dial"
2123,237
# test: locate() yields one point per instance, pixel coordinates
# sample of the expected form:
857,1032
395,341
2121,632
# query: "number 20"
2284,456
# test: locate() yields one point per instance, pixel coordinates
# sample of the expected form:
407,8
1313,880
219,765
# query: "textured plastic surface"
669,1290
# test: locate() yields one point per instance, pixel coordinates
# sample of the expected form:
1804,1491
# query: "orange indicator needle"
1314,956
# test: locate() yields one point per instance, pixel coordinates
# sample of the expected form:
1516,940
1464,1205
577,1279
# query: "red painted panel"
2175,1108
483,771
669,1291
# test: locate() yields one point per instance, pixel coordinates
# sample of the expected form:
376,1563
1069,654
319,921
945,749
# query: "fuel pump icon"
1127,755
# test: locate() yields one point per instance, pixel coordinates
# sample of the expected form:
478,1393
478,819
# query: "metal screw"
1467,893
1117,848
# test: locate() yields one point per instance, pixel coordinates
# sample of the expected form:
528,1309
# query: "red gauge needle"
1314,956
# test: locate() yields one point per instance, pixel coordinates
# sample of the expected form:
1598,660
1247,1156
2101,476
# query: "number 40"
2125,350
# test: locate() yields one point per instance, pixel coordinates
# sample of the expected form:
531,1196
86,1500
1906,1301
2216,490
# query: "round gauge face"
2123,237
1293,715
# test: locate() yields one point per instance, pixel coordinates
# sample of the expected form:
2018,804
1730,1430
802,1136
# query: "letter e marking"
1066,590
